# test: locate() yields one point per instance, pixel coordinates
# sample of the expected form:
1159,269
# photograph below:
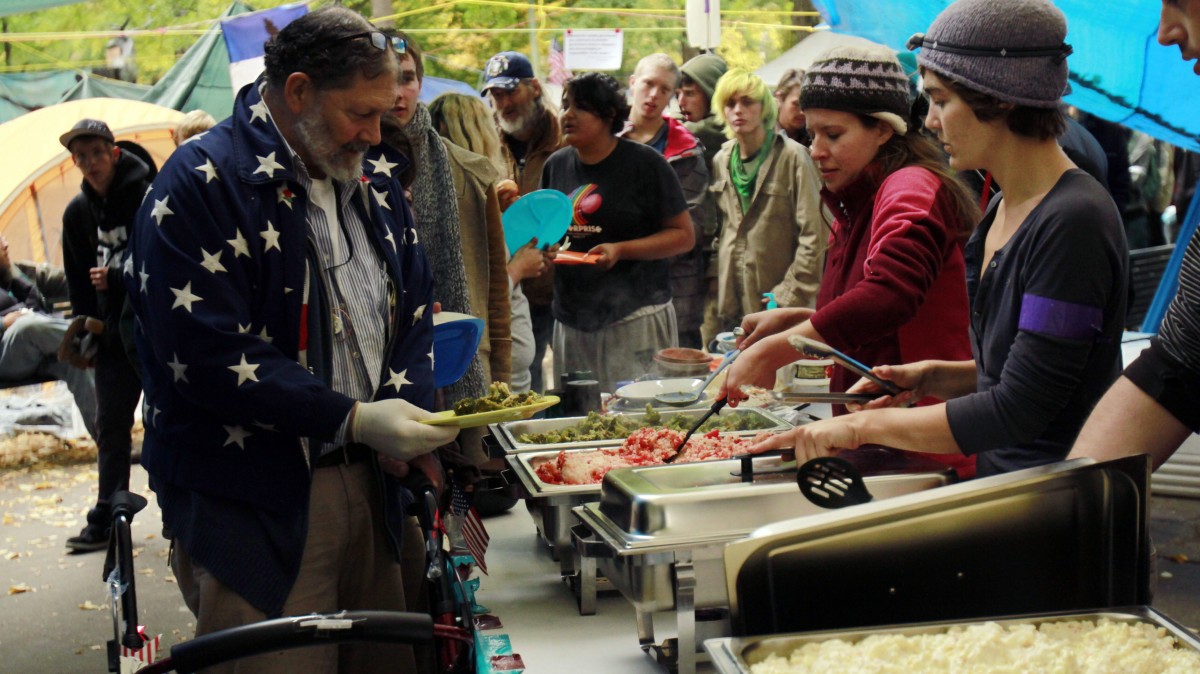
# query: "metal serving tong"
811,347
820,397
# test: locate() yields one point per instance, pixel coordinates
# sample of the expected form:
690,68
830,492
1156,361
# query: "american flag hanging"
473,531
558,65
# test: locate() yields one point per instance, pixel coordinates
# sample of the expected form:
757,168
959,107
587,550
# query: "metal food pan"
509,431
736,655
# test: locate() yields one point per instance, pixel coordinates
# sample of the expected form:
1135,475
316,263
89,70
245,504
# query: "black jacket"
87,216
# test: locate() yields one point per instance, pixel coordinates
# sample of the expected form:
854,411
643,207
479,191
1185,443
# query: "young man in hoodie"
96,228
653,84
698,80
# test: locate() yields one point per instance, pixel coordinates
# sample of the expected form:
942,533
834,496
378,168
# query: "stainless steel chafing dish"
736,655
1064,537
550,505
659,532
508,432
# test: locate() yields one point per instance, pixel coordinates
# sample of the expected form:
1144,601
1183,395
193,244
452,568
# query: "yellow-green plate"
448,418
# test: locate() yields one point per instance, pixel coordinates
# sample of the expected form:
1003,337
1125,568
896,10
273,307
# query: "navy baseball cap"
506,70
86,127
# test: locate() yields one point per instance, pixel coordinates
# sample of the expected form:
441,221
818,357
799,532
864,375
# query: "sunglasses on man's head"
379,40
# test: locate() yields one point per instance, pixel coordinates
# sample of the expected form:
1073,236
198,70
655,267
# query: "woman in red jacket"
894,287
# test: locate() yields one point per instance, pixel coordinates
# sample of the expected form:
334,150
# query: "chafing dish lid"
1062,537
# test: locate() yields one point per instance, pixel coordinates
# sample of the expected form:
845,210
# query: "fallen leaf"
1178,559
19,588
13,555
89,606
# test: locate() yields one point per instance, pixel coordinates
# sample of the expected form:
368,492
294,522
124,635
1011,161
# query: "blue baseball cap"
506,70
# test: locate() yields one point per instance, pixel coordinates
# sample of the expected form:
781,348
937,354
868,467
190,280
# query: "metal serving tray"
659,532
736,655
1070,536
660,507
509,431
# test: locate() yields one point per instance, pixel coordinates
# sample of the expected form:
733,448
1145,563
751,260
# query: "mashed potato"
1066,647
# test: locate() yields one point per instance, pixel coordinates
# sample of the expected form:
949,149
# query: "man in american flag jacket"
284,321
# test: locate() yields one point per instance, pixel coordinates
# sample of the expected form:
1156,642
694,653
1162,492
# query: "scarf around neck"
435,209
744,176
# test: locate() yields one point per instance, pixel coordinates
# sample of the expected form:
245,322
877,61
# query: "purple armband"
1056,318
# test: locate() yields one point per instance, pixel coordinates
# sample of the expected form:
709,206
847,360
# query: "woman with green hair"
773,236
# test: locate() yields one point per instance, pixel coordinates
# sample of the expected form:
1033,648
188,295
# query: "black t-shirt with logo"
628,195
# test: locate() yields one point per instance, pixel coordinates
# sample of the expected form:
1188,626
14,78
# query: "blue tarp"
432,87
1119,72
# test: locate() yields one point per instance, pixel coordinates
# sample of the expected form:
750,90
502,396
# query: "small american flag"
473,531
558,66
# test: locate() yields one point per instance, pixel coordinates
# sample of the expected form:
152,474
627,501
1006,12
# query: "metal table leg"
685,614
587,584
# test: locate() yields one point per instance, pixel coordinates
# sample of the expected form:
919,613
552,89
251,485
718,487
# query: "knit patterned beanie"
1011,50
865,80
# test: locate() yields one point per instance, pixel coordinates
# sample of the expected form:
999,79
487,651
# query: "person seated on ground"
1046,268
30,338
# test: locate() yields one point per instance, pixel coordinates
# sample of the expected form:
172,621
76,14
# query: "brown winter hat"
1012,50
865,80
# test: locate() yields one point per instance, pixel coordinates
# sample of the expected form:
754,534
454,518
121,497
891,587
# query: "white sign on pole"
594,49
704,23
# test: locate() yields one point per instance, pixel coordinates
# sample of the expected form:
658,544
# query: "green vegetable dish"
599,427
499,397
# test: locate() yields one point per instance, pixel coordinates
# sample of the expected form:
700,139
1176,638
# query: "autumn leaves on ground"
54,606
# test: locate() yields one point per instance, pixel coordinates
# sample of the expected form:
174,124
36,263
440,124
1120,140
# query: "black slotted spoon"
830,482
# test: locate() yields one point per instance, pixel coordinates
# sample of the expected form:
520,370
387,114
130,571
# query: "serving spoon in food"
716,407
685,398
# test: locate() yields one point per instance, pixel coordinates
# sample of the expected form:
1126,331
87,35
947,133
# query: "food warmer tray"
508,432
1069,536
736,655
659,532
550,505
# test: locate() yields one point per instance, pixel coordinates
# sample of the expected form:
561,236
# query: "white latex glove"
391,427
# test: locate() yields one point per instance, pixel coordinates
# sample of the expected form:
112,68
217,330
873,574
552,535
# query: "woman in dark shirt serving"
611,317
1046,268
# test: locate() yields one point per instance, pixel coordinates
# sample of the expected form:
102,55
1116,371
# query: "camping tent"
805,52
38,178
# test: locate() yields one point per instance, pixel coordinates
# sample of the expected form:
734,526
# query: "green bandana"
743,176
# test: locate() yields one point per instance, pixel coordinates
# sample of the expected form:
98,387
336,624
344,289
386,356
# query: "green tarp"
199,80
10,7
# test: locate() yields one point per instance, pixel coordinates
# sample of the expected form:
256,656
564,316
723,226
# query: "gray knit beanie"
865,80
1011,50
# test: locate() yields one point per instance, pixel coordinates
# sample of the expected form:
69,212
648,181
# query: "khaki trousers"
347,565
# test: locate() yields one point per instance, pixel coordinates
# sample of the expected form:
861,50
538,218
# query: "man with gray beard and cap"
284,320
530,133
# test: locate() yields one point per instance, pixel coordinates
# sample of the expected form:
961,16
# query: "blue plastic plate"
545,214
455,342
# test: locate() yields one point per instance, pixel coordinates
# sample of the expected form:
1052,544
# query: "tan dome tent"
38,177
